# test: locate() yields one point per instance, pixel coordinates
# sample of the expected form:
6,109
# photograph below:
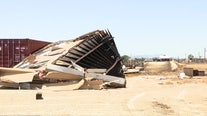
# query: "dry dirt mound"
166,66
157,66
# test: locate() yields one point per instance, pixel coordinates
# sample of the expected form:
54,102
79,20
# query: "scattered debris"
133,70
39,96
188,71
193,72
183,76
68,65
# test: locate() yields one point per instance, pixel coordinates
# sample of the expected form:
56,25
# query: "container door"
1,52
16,54
4,51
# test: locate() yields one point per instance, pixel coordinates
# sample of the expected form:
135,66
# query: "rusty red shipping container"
13,51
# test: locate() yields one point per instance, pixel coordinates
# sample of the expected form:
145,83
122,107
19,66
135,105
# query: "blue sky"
140,27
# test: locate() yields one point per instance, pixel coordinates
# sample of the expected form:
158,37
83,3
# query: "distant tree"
190,57
125,58
139,59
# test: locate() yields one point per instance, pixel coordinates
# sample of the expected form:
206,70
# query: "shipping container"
13,51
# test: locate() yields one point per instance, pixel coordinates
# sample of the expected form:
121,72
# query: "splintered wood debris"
90,61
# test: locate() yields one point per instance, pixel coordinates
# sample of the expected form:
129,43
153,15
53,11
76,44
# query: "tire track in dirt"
130,103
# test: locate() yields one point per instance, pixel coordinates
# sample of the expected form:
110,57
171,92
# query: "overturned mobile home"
89,61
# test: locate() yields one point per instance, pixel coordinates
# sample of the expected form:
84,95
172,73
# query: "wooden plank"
97,70
59,62
18,78
10,71
52,67
117,80
62,76
56,52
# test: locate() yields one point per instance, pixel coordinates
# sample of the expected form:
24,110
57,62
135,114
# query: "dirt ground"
148,95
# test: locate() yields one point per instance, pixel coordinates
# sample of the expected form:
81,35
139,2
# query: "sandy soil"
146,95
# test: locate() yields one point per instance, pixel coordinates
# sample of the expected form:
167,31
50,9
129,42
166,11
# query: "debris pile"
193,72
90,61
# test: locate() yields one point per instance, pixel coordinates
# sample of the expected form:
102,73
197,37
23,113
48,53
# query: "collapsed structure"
89,61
